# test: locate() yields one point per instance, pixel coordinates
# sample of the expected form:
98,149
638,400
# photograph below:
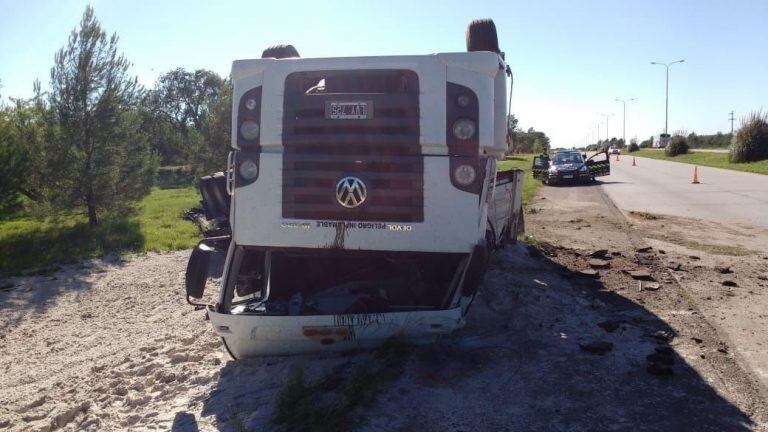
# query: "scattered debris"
663,359
590,273
663,336
723,350
597,347
697,340
598,263
676,266
724,269
640,274
610,326
729,283
694,257
600,253
662,251
643,249
548,249
648,286
659,370
644,215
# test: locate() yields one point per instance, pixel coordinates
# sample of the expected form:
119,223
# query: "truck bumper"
261,335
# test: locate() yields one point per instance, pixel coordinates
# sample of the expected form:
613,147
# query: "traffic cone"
633,161
617,157
695,175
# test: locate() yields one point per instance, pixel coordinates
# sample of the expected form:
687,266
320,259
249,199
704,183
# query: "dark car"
570,167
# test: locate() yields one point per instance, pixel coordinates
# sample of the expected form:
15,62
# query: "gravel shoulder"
111,345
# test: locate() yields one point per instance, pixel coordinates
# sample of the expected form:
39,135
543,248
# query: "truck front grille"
382,151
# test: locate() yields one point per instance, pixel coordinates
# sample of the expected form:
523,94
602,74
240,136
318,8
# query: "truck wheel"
280,51
481,36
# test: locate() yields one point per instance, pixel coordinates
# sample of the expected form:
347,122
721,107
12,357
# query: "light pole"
666,92
624,118
598,133
607,136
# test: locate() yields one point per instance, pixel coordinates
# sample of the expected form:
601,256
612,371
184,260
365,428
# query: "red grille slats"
382,151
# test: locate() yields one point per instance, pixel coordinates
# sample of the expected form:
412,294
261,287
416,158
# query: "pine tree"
101,160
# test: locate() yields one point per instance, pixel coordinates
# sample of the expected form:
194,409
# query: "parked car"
570,166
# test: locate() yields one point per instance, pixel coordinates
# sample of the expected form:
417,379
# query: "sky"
570,59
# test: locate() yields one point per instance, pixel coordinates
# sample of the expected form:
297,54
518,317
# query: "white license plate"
349,110
565,176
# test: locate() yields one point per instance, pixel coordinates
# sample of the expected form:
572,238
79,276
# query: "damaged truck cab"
362,195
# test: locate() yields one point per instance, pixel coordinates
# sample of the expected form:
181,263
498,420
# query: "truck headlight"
583,168
249,129
464,175
464,129
248,170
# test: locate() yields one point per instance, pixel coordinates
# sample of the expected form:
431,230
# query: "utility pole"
731,119
624,117
666,92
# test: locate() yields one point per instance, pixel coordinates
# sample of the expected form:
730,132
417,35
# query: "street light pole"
607,136
624,117
666,92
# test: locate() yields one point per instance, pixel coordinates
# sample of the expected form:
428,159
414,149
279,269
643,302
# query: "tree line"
92,142
526,141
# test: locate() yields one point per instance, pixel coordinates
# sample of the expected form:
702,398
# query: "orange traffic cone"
695,175
633,161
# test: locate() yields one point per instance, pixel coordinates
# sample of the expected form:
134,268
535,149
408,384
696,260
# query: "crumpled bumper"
264,335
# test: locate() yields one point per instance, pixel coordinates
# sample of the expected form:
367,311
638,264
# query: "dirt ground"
111,345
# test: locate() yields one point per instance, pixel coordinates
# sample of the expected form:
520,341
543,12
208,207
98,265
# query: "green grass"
716,160
29,245
523,162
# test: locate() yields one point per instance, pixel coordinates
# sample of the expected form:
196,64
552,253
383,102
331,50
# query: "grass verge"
29,245
710,159
523,162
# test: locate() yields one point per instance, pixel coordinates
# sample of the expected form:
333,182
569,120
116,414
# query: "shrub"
677,146
633,147
751,141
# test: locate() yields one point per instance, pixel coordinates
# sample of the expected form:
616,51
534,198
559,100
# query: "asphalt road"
663,187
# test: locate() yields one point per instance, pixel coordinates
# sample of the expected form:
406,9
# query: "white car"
363,195
614,151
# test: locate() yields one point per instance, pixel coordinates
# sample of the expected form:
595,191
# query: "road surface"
663,187
715,238
705,150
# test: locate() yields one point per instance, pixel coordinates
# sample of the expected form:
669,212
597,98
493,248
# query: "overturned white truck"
362,197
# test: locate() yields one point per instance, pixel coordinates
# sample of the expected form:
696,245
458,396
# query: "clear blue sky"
571,59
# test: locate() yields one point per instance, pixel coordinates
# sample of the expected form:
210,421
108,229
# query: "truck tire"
280,51
481,36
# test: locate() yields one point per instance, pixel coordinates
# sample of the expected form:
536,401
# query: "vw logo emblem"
351,192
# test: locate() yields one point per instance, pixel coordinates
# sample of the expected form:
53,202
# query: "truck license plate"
349,110
567,176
